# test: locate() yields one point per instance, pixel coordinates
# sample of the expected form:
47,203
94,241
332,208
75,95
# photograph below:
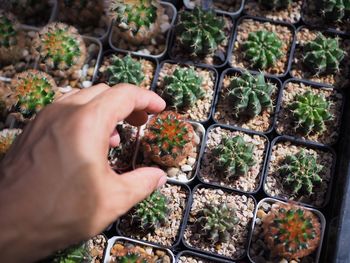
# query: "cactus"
7,136
291,232
275,4
335,10
301,172
60,47
182,88
262,49
74,254
217,222
33,90
249,95
132,258
310,112
138,20
199,31
234,157
168,139
323,55
125,70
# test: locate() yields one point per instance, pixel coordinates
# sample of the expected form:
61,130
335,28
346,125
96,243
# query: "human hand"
56,187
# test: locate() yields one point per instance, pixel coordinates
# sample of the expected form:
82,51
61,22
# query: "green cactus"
7,31
75,254
335,10
33,90
275,4
301,172
217,222
182,88
125,70
234,157
262,49
151,212
323,55
249,95
199,31
131,258
310,112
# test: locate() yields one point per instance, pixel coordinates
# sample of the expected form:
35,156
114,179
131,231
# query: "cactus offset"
74,254
234,157
199,31
291,231
249,95
335,10
33,90
301,172
168,139
217,222
125,70
275,4
323,55
182,88
262,49
7,136
310,112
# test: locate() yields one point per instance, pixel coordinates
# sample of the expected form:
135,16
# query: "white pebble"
144,52
87,84
164,27
182,177
191,161
25,52
65,89
186,168
172,172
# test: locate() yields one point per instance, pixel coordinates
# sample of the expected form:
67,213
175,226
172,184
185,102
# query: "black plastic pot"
234,14
189,247
264,20
201,256
309,145
226,127
182,224
231,71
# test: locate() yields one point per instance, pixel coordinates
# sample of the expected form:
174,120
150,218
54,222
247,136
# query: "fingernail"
162,181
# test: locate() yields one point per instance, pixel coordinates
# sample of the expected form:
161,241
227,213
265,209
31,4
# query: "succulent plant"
182,88
60,48
249,95
291,231
234,157
262,49
335,10
33,90
310,112
217,222
132,258
74,254
275,4
199,31
7,136
125,70
168,139
301,172
323,55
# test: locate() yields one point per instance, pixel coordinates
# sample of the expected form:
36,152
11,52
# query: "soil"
200,111
274,186
192,259
249,25
285,122
244,206
298,70
223,112
96,247
247,183
219,5
165,235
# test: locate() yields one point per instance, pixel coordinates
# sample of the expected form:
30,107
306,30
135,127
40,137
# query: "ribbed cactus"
131,258
323,55
75,254
216,223
310,112
300,172
152,212
168,139
249,95
234,157
33,90
335,10
60,47
182,88
275,4
291,232
199,31
262,49
7,136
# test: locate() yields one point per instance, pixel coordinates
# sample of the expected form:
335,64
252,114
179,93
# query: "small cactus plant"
275,4
60,48
7,136
262,49
323,55
249,95
234,157
132,258
152,212
335,10
291,232
168,139
199,31
33,90
301,172
310,112
182,88
74,254
125,70
217,222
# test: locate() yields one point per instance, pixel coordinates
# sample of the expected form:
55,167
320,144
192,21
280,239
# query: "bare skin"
56,187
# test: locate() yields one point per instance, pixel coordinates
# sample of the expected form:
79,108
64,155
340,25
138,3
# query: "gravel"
96,247
220,5
192,259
